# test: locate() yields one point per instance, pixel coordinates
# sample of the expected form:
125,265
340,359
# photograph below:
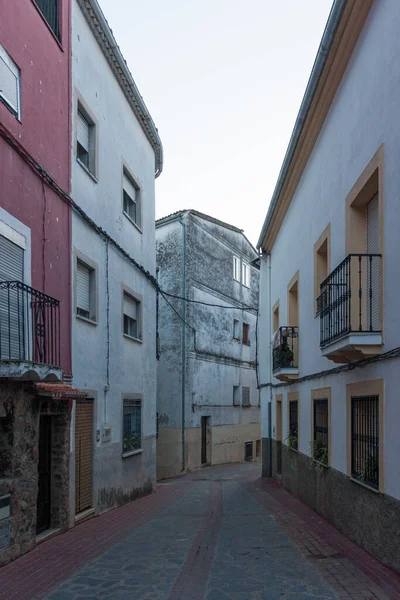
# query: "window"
236,268
293,425
275,316
131,308
365,439
321,263
236,397
245,336
10,77
236,329
293,301
246,275
131,199
320,447
245,396
85,291
132,425
49,9
85,140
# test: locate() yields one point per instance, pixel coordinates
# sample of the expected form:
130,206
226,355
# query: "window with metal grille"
132,425
131,195
10,88
131,309
245,335
50,11
321,431
236,395
365,439
236,268
85,291
245,396
246,275
293,425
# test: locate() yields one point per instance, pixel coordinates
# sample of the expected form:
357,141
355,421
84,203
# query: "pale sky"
223,80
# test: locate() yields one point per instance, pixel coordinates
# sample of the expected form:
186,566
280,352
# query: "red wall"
44,132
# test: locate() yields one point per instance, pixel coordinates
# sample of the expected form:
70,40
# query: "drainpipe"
183,358
269,316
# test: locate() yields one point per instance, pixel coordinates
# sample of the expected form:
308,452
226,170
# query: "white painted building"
116,154
329,275
207,396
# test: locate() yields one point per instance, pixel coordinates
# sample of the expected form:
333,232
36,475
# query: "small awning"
59,391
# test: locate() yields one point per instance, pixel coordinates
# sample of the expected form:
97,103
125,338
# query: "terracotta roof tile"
59,390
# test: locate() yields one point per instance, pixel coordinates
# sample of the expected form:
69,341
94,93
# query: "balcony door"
372,245
11,301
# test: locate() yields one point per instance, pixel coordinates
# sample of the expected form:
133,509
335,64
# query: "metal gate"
83,454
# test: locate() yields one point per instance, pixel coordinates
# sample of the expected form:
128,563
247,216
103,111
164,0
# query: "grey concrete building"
116,155
207,394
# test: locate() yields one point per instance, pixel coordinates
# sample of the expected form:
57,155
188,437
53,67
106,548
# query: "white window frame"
236,268
236,329
93,295
129,182
139,315
236,395
16,110
91,167
246,274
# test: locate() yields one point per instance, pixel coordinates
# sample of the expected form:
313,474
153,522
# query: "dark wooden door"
203,440
44,492
83,454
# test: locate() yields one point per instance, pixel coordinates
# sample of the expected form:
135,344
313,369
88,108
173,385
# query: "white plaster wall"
132,365
364,115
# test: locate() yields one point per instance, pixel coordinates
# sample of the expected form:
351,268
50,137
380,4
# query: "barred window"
321,431
365,439
293,425
132,425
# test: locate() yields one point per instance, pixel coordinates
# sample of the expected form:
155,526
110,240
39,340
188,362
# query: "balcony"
285,353
29,333
349,308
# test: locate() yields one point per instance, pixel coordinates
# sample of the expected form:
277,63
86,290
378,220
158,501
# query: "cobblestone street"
217,534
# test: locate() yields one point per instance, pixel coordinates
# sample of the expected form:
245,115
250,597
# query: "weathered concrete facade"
109,364
201,362
321,221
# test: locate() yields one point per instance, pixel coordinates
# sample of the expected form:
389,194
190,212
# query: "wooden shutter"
129,188
11,306
9,80
83,129
83,454
130,307
373,268
83,287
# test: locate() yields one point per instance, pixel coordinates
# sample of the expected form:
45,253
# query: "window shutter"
245,396
11,261
83,131
130,307
129,188
83,287
9,80
373,267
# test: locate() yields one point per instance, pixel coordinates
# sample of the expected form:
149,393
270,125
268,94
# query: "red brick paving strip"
35,573
192,579
350,570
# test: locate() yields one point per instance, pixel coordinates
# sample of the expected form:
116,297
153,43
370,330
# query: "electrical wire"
244,307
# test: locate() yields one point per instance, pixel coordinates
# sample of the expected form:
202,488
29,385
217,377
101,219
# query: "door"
44,468
11,301
205,441
373,317
83,454
279,437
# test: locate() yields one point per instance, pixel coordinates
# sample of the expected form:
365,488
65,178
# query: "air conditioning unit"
248,451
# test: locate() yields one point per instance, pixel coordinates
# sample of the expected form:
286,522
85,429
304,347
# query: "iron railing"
285,349
365,439
29,325
350,298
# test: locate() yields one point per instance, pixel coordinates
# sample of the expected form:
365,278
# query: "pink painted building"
35,267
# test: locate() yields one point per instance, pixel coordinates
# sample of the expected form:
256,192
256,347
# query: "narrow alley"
221,533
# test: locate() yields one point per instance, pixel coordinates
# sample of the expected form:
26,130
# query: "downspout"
269,316
183,345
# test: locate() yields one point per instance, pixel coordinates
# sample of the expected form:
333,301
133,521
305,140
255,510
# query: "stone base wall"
371,519
227,446
20,413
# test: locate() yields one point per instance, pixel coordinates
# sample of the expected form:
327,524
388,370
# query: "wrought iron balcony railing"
285,348
29,325
350,298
